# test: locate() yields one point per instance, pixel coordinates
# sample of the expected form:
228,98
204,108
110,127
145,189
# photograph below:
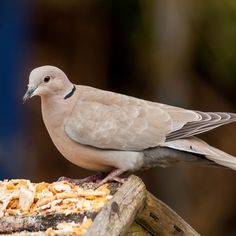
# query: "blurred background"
177,52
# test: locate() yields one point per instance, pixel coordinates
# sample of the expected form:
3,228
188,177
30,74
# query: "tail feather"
197,146
223,158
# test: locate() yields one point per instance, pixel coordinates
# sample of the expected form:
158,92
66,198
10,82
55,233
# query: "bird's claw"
92,178
98,179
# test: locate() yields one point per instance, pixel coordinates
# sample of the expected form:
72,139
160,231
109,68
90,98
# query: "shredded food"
21,197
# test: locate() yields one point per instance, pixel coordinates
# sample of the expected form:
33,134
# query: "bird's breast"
87,157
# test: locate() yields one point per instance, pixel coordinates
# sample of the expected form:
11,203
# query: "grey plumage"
167,157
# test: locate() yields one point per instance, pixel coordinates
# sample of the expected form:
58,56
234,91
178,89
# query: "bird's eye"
46,79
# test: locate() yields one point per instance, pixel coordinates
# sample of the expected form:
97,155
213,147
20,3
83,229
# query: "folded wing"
207,121
109,120
112,121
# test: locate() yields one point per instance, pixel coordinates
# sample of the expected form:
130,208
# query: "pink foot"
113,175
92,178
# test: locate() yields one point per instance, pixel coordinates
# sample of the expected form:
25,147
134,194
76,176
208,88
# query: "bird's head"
47,81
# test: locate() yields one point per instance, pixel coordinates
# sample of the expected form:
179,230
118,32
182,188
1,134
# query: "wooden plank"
117,216
36,223
27,233
159,219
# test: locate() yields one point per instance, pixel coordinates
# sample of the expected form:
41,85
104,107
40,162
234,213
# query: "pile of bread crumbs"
20,197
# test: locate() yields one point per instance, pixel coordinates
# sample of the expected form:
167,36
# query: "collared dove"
110,132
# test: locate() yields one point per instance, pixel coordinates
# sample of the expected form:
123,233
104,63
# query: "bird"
113,133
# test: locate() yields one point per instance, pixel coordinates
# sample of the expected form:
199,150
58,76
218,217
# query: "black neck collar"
70,93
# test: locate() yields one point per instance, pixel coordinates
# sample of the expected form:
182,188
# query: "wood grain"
36,223
117,216
159,219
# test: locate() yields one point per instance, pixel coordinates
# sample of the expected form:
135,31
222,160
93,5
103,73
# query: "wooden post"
132,204
117,216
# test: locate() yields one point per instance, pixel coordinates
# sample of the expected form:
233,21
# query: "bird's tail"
198,147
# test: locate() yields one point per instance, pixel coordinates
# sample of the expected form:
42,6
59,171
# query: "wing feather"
208,121
109,120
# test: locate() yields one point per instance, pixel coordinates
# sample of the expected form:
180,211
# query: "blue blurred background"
177,52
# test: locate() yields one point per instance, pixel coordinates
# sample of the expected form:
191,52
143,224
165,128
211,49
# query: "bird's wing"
109,120
114,121
206,122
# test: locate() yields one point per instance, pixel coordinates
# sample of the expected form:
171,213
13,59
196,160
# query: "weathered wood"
36,223
27,233
117,216
159,219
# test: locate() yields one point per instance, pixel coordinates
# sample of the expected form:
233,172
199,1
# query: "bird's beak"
28,94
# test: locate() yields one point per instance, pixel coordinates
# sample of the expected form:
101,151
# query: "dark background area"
177,52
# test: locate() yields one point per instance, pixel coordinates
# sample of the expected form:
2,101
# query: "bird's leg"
113,175
92,178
